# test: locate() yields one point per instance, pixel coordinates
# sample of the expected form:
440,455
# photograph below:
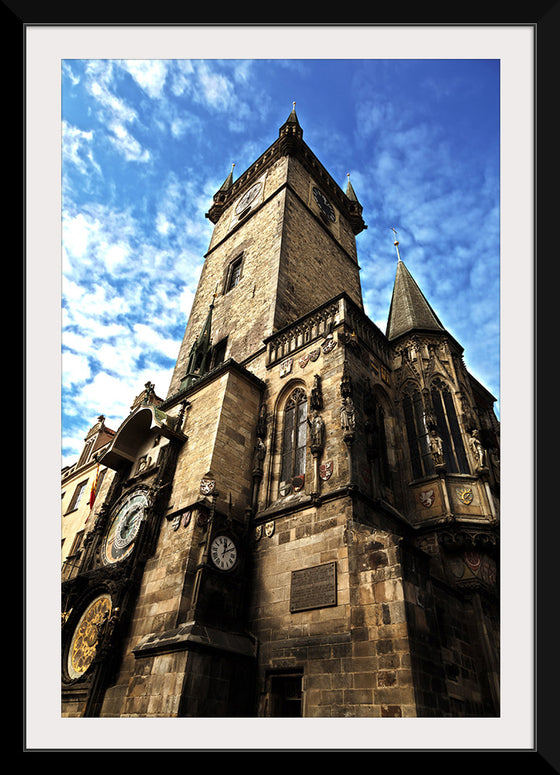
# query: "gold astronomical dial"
86,635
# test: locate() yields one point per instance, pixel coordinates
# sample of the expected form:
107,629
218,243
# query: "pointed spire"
292,118
199,356
291,127
220,197
350,193
228,181
409,310
355,209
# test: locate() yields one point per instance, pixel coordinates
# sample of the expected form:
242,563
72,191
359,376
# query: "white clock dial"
223,552
248,198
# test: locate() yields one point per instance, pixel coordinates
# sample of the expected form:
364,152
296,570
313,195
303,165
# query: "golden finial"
396,242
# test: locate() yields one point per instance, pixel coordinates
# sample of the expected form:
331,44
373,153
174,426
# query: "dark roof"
409,311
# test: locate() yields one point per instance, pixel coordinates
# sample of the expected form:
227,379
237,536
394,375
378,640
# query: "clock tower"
307,523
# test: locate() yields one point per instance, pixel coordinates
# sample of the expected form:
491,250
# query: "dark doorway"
285,696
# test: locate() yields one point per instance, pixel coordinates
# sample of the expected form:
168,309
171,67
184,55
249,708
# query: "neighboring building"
307,524
83,486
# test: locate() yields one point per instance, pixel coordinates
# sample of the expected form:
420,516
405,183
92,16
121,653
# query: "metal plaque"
313,587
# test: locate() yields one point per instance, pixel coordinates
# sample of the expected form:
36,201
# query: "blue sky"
146,143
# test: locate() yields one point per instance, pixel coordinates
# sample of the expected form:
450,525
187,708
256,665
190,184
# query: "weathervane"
396,242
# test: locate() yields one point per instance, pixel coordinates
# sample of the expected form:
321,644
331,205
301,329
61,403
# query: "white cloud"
148,339
126,143
78,232
76,148
162,224
75,369
150,74
116,254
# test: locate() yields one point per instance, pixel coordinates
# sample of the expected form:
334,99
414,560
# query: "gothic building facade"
307,524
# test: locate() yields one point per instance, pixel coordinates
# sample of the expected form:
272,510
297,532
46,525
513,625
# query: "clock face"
124,527
223,552
247,198
86,635
326,207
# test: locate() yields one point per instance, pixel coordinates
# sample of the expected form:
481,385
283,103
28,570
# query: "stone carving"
317,432
427,498
329,344
346,382
436,448
468,416
261,422
316,399
465,495
259,453
286,367
479,453
348,415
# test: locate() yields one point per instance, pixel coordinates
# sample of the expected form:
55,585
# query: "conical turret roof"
228,182
350,193
410,310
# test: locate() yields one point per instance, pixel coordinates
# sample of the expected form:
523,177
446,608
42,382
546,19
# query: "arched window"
417,433
383,458
436,412
377,438
294,439
448,428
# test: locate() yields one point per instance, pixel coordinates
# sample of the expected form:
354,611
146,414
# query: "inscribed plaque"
313,587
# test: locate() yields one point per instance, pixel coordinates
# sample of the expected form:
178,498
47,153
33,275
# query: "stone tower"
307,524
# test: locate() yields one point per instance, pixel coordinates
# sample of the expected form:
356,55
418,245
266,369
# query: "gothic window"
448,428
294,437
444,417
219,353
234,274
377,439
384,460
417,434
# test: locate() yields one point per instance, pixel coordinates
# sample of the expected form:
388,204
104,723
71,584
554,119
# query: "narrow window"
77,497
385,471
417,435
294,439
448,429
219,353
234,274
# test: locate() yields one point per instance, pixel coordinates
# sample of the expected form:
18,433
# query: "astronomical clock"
102,591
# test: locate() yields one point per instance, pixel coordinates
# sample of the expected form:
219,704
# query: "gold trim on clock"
83,645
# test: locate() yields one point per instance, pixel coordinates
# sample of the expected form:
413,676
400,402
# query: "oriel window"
294,436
